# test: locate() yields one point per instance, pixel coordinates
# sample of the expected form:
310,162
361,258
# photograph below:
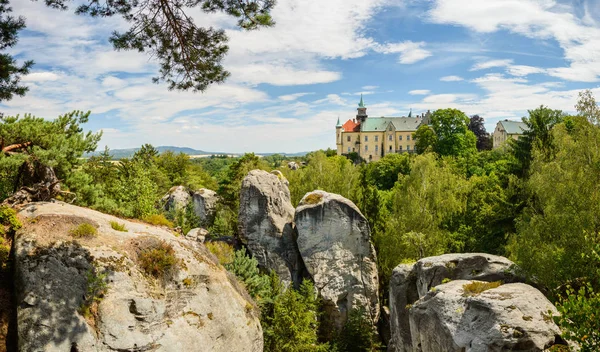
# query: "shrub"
84,230
8,221
158,220
579,317
246,270
158,259
118,226
358,334
96,288
223,251
476,287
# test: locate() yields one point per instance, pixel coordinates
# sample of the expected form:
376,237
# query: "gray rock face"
409,282
334,242
512,317
293,165
266,223
198,234
177,198
205,203
198,307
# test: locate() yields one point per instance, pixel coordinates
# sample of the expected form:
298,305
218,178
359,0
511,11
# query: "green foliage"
246,270
157,259
587,107
56,143
84,230
225,222
484,140
312,198
332,174
558,227
97,286
579,317
290,321
425,139
421,206
451,127
538,135
118,226
9,223
384,173
185,218
358,334
476,287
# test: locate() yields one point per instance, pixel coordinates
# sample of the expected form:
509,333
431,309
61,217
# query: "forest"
535,201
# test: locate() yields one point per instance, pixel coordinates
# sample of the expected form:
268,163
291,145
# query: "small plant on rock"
84,230
158,220
476,287
96,289
118,226
157,259
223,251
313,198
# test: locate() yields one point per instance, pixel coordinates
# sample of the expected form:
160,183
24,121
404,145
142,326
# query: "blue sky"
289,83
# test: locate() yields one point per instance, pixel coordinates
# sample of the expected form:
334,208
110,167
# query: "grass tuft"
158,220
158,259
223,251
84,230
117,226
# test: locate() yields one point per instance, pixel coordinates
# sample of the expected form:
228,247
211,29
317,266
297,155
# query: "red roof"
351,126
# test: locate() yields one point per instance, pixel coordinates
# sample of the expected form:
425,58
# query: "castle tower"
362,111
338,136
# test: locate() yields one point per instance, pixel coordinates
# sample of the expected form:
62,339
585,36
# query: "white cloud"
536,19
492,63
370,87
112,82
523,70
419,92
41,77
451,79
291,97
410,52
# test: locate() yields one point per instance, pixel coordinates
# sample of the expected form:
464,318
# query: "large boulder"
205,203
266,218
409,282
92,293
511,317
177,198
335,245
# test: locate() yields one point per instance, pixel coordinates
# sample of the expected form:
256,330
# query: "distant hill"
128,153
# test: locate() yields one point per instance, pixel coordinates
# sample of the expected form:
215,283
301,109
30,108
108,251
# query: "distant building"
375,137
506,130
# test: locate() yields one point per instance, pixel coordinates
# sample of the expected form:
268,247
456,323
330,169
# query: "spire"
410,113
361,104
338,123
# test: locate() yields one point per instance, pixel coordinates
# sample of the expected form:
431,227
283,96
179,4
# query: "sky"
290,83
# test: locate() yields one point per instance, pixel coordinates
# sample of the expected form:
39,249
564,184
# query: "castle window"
376,147
390,148
408,137
348,149
376,138
400,148
366,138
408,147
348,138
366,148
399,138
390,138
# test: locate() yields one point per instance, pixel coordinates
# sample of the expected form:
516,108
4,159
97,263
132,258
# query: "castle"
375,137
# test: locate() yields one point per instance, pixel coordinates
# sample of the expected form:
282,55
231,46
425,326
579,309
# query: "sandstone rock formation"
197,234
205,203
293,165
61,307
410,282
177,198
265,223
511,317
334,242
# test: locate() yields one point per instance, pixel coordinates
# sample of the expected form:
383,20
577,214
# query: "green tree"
425,139
189,56
451,127
10,71
58,143
550,242
587,107
384,173
539,124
